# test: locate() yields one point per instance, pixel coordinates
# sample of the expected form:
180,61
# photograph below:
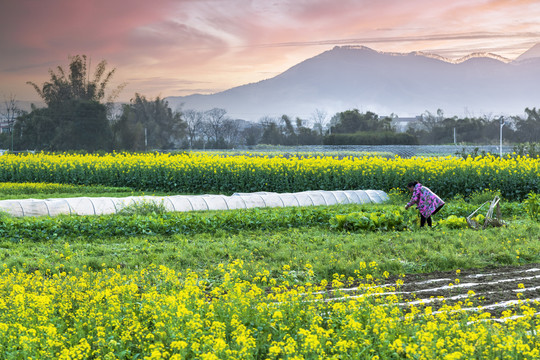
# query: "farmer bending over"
427,202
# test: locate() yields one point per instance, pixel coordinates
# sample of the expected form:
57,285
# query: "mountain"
404,84
532,53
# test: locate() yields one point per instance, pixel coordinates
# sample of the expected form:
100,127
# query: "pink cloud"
221,44
55,28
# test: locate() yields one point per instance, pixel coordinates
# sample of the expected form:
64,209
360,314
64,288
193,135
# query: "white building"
4,125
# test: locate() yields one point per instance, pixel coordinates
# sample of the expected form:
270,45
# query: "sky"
181,47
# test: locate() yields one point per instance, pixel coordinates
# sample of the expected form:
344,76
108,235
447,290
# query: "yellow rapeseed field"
157,313
219,173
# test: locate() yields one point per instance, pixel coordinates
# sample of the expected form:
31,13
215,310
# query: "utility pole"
502,122
145,139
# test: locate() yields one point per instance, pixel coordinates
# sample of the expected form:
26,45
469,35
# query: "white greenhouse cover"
110,205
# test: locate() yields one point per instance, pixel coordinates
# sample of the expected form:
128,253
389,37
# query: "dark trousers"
428,219
423,221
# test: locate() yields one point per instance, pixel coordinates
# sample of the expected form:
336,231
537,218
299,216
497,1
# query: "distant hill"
404,84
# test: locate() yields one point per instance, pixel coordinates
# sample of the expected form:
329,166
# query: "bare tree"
214,120
231,132
320,120
194,122
11,113
265,121
11,110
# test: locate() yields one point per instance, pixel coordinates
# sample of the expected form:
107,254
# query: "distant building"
4,125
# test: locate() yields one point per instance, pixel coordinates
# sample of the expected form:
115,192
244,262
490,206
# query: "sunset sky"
181,47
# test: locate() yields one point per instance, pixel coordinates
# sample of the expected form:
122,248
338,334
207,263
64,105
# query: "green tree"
76,114
252,134
429,121
528,129
271,133
352,121
305,135
34,130
148,124
76,85
55,130
84,125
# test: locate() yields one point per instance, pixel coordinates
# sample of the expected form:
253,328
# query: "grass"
263,238
327,251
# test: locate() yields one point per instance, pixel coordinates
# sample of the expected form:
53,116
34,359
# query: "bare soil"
495,289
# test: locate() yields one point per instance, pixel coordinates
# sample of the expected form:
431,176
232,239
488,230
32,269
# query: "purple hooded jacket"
425,199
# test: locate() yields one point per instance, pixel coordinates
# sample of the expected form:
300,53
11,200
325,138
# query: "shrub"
376,220
480,197
143,208
532,203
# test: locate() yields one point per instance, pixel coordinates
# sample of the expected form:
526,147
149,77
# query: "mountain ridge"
406,84
532,53
434,56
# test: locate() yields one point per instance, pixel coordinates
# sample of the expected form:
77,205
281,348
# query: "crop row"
343,217
214,173
49,228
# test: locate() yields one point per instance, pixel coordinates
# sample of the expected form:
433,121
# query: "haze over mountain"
350,77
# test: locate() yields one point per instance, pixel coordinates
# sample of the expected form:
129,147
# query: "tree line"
435,128
79,116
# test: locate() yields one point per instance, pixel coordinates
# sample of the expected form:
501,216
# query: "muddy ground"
495,289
